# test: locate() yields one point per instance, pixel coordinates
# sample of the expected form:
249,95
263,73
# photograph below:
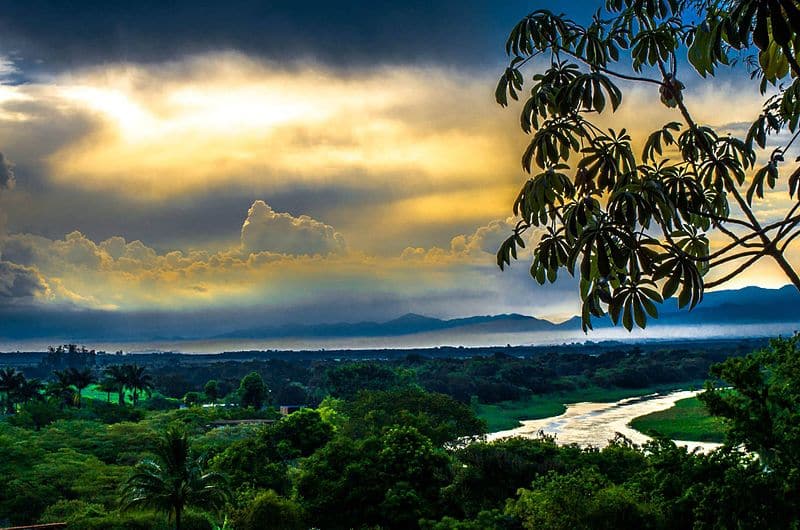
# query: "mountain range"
750,305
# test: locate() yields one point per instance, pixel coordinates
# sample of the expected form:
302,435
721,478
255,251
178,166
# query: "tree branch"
741,268
734,257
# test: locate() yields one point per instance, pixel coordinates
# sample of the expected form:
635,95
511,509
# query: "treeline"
494,378
405,458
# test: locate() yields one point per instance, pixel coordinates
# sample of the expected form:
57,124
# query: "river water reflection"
596,423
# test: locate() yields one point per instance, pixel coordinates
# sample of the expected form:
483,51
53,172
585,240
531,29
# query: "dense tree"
192,399
270,510
436,416
759,396
211,389
252,390
391,480
582,500
487,474
262,459
636,229
348,379
174,480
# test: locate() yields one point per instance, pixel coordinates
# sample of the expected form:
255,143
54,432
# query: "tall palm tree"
31,390
173,480
80,379
11,381
61,388
119,374
138,380
108,385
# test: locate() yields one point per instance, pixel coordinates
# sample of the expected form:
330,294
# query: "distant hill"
743,306
408,324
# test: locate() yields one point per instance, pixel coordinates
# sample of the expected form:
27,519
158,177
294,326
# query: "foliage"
763,409
493,472
391,480
252,390
635,229
397,458
174,480
137,380
211,389
581,500
348,379
262,460
11,381
436,416
270,510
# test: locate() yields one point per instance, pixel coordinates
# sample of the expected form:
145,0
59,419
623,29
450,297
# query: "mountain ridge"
747,305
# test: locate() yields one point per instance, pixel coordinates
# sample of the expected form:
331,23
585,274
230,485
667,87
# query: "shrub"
270,510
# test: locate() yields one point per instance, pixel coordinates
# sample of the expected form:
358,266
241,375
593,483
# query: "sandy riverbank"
596,423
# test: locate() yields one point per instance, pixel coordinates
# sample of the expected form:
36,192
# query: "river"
596,423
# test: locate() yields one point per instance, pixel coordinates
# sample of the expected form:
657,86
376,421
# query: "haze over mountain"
750,305
743,306
747,306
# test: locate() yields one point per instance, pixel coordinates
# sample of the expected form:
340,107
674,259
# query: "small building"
288,409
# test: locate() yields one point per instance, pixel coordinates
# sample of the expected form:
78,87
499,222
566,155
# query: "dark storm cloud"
7,178
62,34
17,281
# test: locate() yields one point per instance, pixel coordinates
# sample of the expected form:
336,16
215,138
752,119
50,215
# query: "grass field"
507,415
687,420
92,392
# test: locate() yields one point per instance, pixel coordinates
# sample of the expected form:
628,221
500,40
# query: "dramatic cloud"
63,35
20,283
281,233
275,268
7,178
149,168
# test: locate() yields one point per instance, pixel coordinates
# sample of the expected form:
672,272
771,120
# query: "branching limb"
740,269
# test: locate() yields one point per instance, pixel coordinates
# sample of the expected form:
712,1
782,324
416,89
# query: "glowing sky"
275,163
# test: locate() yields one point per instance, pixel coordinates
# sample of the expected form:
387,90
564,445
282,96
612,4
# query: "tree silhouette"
31,390
211,389
252,390
173,480
11,382
636,229
108,385
79,379
138,380
119,375
61,388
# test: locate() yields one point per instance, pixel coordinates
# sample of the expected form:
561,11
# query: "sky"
214,165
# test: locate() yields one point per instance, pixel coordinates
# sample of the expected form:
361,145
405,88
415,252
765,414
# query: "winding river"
596,423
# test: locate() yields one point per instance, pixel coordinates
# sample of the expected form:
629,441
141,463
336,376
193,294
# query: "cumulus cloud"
19,282
477,246
265,230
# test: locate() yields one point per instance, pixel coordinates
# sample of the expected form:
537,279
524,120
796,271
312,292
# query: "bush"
159,402
270,510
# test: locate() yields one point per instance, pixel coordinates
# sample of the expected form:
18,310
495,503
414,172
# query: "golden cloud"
226,120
